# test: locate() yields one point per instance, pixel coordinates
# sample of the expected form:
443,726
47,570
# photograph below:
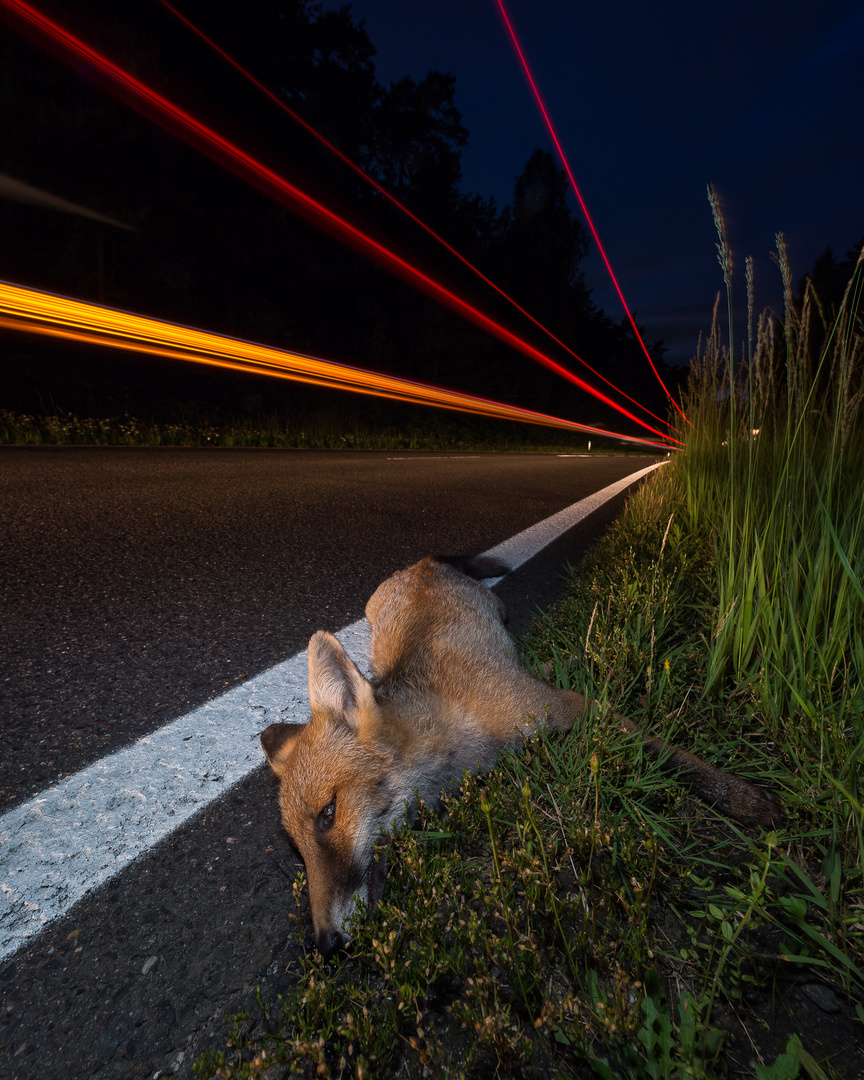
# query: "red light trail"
226,153
547,120
394,201
35,312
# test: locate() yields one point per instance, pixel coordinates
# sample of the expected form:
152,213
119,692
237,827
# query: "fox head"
337,791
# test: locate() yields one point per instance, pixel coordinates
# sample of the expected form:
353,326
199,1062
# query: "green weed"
576,913
287,432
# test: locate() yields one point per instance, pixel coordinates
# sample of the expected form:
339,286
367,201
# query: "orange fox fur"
448,693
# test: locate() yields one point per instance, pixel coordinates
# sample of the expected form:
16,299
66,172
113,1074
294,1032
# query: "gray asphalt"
138,583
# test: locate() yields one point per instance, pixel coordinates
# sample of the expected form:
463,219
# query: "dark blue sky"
653,102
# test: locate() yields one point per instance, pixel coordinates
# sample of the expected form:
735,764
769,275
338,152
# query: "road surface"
136,586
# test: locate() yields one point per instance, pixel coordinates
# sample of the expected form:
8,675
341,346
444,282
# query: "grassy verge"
347,432
575,913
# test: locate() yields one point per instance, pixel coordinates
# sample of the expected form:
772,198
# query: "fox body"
448,693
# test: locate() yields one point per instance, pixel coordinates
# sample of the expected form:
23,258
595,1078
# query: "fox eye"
326,817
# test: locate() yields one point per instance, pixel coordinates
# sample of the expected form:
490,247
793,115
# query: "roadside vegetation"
575,913
420,431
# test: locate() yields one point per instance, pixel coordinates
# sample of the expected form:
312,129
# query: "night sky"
652,102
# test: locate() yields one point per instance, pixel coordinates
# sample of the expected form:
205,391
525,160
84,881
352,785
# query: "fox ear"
276,742
335,684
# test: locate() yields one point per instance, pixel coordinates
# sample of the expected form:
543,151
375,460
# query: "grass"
576,914
338,431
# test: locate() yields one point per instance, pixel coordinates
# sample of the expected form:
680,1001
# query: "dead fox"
448,694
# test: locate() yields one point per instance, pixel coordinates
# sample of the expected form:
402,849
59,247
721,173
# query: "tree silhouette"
212,252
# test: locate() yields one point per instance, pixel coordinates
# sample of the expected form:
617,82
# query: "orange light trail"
226,153
35,312
563,157
395,202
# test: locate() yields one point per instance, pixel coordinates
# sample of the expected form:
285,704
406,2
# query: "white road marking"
74,836
523,546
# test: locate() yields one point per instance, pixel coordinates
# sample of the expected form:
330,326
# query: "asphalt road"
136,584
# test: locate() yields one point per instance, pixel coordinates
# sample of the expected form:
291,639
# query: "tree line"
205,249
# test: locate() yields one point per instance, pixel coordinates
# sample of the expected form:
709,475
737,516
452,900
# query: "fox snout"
335,794
332,908
335,826
329,942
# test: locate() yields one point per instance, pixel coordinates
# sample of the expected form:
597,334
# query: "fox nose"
329,942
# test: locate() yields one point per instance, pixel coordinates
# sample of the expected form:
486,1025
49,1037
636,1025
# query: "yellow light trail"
248,168
32,311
